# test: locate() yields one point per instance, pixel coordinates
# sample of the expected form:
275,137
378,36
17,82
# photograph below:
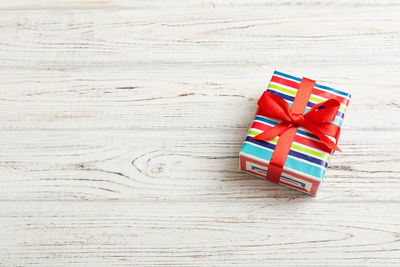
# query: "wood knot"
158,169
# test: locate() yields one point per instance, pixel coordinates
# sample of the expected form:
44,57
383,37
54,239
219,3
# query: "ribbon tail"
325,140
329,129
272,132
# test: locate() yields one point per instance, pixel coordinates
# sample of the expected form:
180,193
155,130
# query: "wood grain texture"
178,166
121,123
224,233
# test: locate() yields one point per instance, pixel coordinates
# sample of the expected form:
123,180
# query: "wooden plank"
277,35
298,232
175,98
194,4
179,165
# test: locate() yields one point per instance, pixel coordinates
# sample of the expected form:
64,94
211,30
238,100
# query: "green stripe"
252,133
312,98
297,147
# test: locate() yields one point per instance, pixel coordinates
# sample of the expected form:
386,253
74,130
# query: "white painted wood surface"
121,123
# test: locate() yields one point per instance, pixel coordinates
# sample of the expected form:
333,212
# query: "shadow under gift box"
308,158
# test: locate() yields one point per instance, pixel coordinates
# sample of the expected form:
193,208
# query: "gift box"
294,132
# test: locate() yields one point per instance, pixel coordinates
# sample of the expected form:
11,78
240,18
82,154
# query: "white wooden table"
121,123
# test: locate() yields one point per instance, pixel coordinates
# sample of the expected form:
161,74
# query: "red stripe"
297,138
297,187
315,91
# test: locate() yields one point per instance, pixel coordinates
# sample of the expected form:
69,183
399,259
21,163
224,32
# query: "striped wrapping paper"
306,163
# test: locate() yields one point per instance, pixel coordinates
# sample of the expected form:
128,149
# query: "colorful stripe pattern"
307,160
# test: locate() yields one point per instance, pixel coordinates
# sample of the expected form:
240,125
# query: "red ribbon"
316,120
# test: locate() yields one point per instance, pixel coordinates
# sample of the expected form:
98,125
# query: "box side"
259,168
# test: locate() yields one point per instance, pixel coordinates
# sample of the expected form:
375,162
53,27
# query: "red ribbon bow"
316,120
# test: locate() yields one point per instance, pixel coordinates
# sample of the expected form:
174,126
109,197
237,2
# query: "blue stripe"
290,163
291,99
259,169
291,152
303,185
316,85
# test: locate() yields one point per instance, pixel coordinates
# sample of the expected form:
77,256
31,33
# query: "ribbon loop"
315,120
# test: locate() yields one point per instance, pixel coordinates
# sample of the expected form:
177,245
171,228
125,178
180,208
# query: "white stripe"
294,188
297,182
